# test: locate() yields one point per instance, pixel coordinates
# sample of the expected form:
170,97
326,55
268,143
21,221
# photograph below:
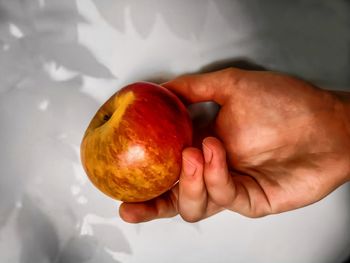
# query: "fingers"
218,180
206,187
188,198
216,86
192,192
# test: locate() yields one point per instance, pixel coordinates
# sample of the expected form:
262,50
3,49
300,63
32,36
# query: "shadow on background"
42,66
241,63
43,199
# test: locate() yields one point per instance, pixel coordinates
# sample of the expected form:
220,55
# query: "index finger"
215,86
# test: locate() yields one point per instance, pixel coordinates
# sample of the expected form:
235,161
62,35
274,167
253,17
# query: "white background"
59,60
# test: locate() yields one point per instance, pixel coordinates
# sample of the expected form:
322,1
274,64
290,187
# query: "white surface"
60,59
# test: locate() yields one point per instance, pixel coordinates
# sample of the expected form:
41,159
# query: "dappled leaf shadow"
47,171
45,119
178,15
111,238
84,249
39,241
143,16
48,33
113,12
78,250
70,55
10,193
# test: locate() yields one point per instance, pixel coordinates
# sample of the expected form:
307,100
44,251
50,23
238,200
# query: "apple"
132,147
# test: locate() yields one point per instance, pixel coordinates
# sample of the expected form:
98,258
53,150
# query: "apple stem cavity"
106,117
121,104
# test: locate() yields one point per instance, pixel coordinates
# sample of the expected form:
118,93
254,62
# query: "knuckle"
220,189
251,211
257,215
234,76
259,212
223,200
214,178
191,218
212,181
205,88
192,213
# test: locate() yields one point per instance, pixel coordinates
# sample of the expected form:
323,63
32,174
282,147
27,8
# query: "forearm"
343,98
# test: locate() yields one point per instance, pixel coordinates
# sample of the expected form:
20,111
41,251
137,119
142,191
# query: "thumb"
215,86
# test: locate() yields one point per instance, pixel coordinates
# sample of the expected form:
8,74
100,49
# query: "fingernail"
208,153
188,167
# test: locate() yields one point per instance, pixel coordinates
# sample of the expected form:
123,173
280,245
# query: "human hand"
280,144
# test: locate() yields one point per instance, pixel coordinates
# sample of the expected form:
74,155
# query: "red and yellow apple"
132,147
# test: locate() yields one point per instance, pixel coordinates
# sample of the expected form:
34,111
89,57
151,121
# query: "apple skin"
132,147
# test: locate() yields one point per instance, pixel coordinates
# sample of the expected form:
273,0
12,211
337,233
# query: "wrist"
343,99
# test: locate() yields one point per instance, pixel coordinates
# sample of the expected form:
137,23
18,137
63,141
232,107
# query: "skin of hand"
280,143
